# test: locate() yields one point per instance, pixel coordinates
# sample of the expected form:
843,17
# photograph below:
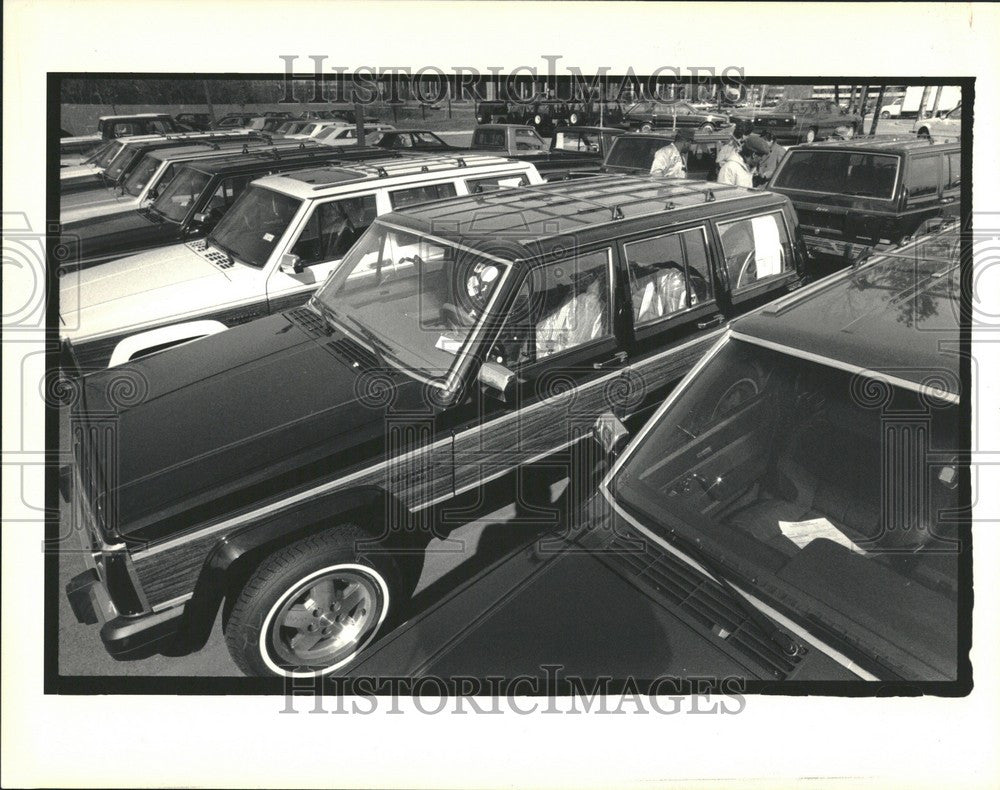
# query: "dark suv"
854,195
442,353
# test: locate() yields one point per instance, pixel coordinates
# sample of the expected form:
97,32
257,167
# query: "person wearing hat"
771,161
669,160
740,130
738,167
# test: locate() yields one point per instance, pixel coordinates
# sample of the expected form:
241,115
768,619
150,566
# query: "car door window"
527,140
922,176
559,308
226,195
756,249
421,194
667,275
954,176
333,228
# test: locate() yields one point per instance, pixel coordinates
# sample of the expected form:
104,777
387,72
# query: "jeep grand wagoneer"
285,462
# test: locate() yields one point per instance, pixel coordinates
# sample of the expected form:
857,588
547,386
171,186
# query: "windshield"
832,492
121,163
635,152
415,299
840,172
253,226
140,176
104,154
176,200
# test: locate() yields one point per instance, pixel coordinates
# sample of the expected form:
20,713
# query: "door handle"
715,320
619,359
947,200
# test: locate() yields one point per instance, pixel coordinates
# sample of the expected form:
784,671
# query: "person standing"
740,130
770,163
739,165
669,161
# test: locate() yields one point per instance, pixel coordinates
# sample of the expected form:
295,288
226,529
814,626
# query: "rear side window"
637,152
840,172
756,248
922,176
953,178
668,274
477,185
491,137
402,198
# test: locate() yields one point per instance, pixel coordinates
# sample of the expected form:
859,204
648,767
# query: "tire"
812,134
706,127
646,127
884,114
349,597
574,118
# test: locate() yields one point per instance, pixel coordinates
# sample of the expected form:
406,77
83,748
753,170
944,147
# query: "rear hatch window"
634,152
840,173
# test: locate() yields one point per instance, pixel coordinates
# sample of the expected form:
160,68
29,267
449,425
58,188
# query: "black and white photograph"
638,397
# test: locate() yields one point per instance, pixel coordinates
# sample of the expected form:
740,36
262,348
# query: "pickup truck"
73,150
523,142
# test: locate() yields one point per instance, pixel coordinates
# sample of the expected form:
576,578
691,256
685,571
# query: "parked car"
441,353
803,120
287,127
341,135
854,195
546,115
235,120
111,127
314,128
272,249
949,125
594,140
491,112
116,158
150,171
893,110
409,140
593,112
522,142
192,202
645,116
198,121
633,152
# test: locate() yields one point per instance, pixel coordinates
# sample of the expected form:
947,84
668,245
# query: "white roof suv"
276,245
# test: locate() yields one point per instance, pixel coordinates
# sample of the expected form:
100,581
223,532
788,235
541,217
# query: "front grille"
707,603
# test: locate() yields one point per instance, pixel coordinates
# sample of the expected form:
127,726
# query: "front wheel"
646,127
811,135
574,118
311,607
884,114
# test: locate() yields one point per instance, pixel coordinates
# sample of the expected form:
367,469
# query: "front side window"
176,199
667,274
402,198
333,228
415,300
560,307
839,505
756,248
123,161
491,137
428,139
840,172
527,140
254,225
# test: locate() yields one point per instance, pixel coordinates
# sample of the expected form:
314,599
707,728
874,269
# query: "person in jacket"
739,166
740,130
767,167
669,161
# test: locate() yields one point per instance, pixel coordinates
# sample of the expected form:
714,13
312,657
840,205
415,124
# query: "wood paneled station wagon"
286,465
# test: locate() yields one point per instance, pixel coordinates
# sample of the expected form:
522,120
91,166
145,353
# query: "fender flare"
280,529
163,336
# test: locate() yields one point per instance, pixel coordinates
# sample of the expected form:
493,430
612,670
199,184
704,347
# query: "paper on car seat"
448,342
767,246
802,533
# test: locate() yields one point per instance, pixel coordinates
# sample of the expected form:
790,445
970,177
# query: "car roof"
317,181
232,148
668,135
504,126
596,129
889,145
544,214
261,158
888,316
133,115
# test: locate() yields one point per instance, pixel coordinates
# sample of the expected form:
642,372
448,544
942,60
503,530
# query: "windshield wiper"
379,346
787,643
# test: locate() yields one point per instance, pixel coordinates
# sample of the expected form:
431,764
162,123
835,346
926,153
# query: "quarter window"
408,197
756,248
954,163
333,228
667,274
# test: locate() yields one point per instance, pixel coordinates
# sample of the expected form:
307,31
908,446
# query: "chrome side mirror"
497,381
610,434
290,263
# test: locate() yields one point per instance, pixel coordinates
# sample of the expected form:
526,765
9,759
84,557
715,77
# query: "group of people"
746,160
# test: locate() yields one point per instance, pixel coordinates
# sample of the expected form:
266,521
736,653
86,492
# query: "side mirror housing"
290,264
497,381
610,434
199,219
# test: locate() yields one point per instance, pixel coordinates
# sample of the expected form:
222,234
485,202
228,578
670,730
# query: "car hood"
79,205
136,291
237,415
115,235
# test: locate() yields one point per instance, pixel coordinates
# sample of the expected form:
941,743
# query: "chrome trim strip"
341,481
920,389
173,602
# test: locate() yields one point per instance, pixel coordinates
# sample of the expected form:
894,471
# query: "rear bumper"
123,636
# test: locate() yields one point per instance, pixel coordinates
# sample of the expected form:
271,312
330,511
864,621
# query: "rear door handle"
715,320
619,359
